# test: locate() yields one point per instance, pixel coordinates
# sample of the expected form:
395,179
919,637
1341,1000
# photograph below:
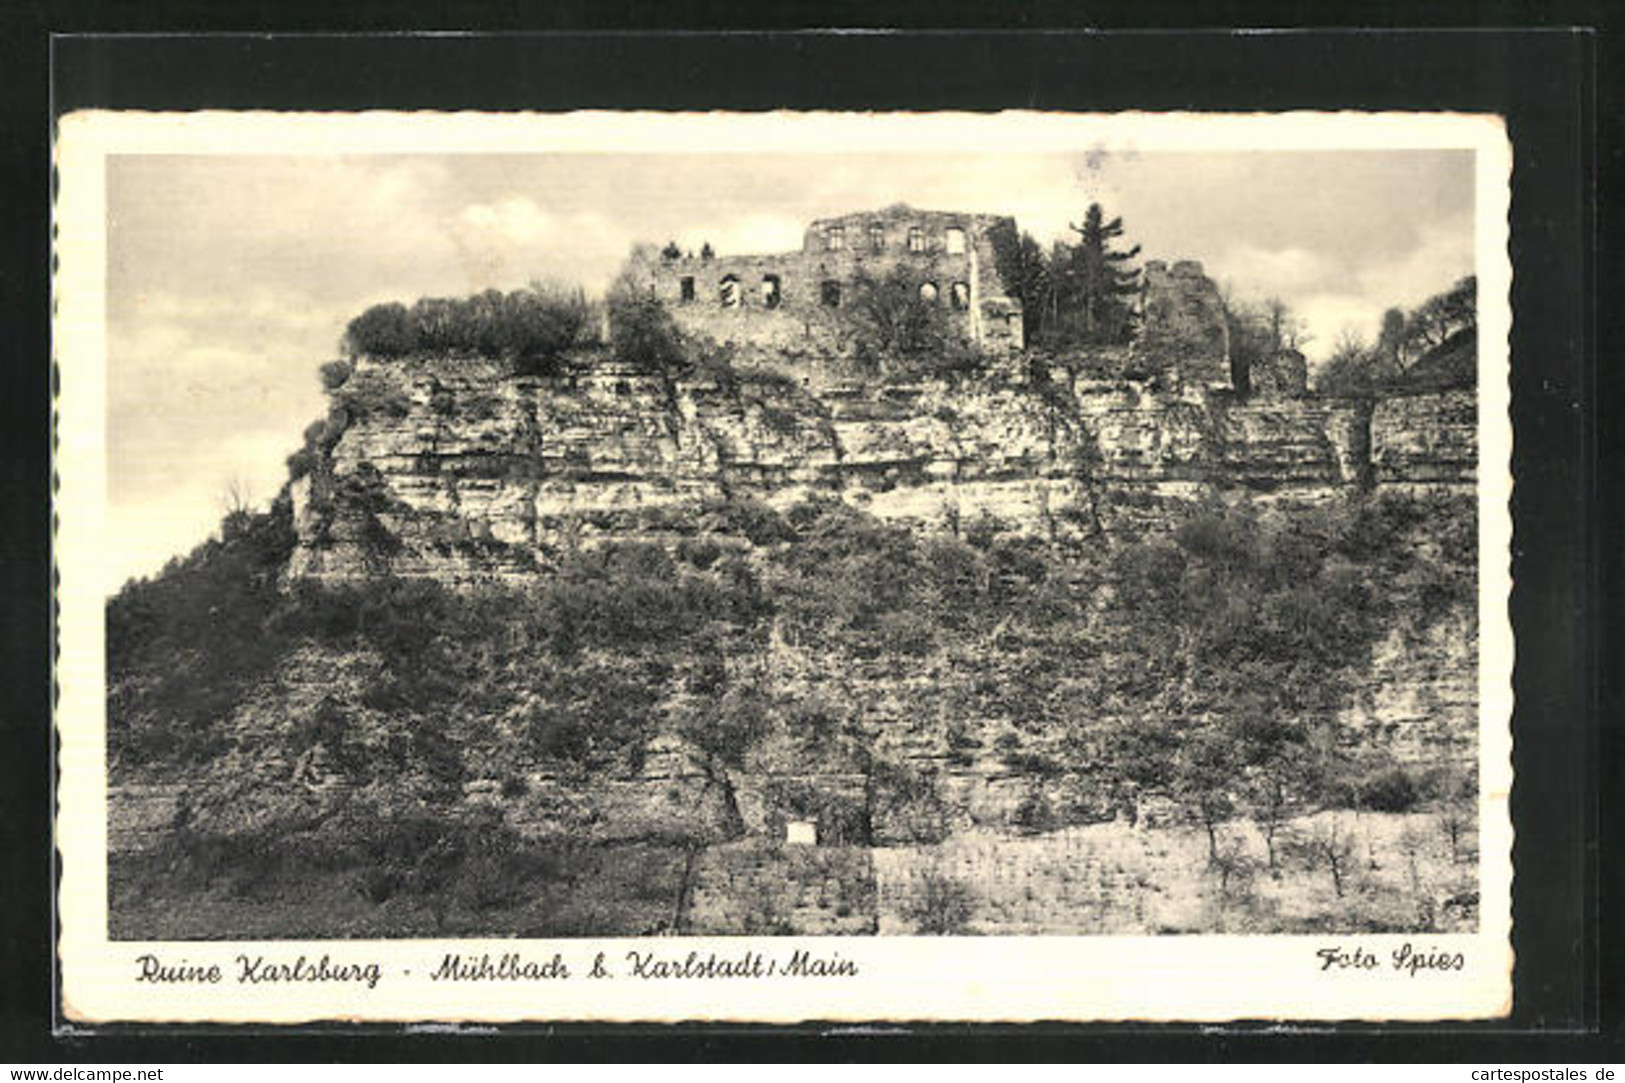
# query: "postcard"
783,567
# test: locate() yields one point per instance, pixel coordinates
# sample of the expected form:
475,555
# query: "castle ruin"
792,300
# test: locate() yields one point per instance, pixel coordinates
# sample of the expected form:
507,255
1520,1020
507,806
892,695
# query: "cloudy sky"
231,277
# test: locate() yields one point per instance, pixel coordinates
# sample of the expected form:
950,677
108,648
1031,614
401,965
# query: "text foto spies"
1404,958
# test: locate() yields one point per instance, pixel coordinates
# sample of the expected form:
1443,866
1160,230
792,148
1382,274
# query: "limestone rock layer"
451,468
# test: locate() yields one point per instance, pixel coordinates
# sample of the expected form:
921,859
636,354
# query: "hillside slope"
565,655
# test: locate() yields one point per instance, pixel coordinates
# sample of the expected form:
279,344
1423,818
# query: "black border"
1544,82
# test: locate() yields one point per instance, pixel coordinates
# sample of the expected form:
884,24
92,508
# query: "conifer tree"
1097,281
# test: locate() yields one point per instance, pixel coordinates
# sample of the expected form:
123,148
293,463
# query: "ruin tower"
1184,339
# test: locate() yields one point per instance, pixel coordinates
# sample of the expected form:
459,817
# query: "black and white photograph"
969,541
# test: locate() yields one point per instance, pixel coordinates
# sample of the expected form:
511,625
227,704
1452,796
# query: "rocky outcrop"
1427,440
1419,704
1313,443
465,472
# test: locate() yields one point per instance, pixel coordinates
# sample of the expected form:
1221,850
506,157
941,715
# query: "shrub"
981,531
891,321
1035,815
373,393
1149,573
334,373
715,363
300,463
755,521
700,552
377,885
319,438
641,331
943,906
1379,528
183,646
532,328
538,325
1223,538
958,574
1391,789
383,331
729,727
909,800
594,710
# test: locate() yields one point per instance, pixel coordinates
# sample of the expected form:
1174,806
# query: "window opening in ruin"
687,286
835,239
956,241
960,293
829,293
877,239
916,239
928,292
1241,375
770,291
729,291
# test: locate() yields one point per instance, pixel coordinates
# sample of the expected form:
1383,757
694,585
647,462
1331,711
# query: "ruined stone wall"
1283,374
1184,339
778,301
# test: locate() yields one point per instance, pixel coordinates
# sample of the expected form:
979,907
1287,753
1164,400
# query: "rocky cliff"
450,468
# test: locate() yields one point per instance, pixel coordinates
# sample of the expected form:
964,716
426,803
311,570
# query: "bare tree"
1267,792
1288,330
1413,843
237,504
1452,820
237,497
1350,346
1234,866
1331,846
1456,805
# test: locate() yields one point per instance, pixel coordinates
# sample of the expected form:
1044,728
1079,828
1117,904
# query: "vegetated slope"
1451,364
610,745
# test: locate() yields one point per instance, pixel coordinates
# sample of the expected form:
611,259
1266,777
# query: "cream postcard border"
1189,978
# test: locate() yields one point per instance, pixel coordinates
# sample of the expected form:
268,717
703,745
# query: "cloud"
509,242
512,221
1331,316
1443,255
1284,272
